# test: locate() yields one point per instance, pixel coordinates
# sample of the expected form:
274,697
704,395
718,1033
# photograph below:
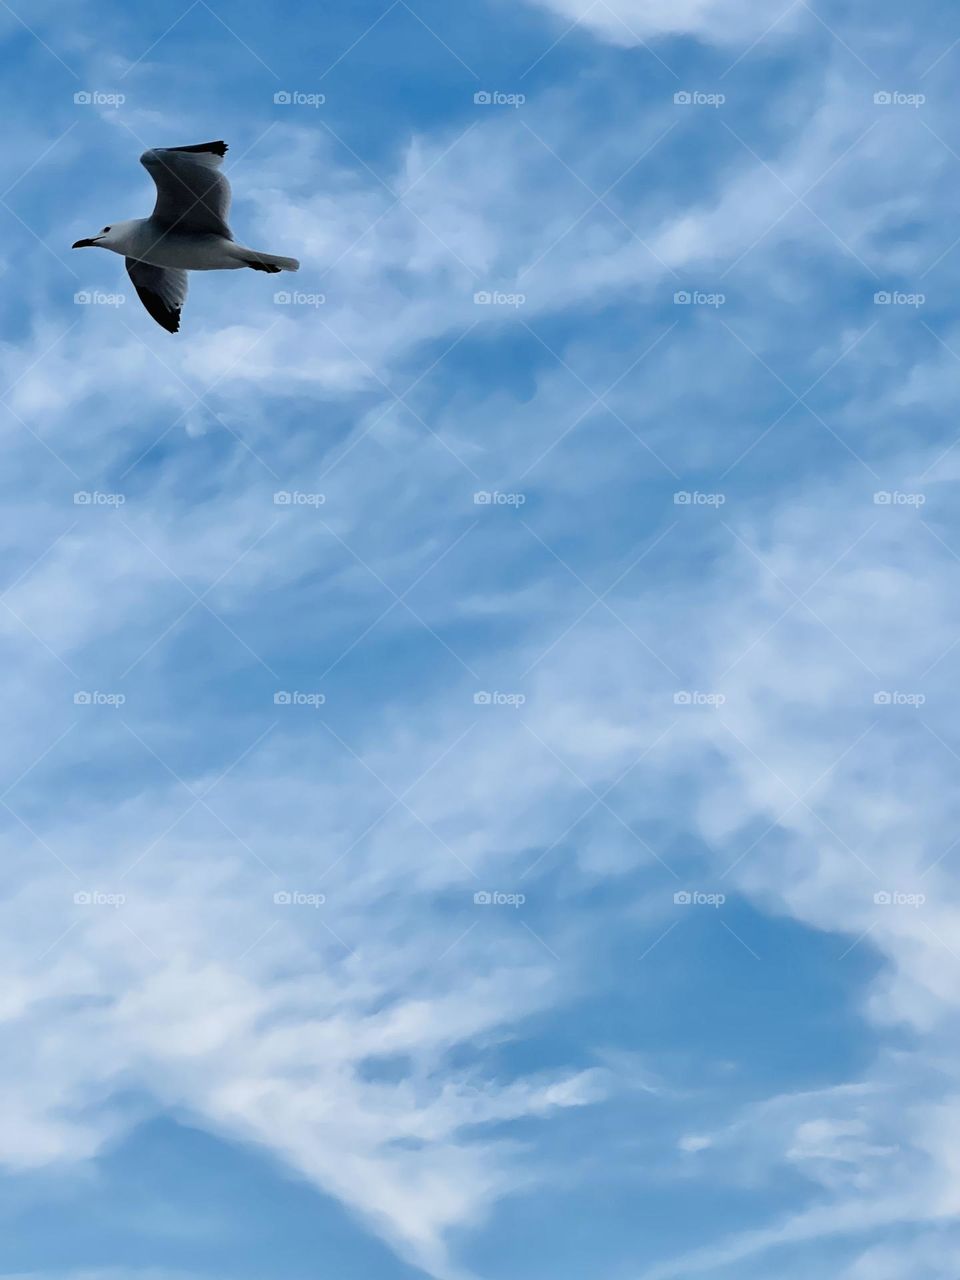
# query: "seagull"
187,231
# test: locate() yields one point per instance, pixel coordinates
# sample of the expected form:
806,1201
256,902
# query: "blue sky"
478,774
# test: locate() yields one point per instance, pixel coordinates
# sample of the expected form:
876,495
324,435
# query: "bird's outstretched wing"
162,290
192,193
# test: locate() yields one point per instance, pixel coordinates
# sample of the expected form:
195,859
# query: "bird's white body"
138,238
187,231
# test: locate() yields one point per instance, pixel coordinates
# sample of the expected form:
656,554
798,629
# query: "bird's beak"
84,244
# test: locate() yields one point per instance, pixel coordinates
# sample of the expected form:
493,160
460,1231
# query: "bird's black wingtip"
166,317
218,148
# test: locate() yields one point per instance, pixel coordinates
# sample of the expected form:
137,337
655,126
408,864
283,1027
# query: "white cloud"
631,22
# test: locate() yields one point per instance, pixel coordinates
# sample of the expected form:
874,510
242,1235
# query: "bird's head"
112,237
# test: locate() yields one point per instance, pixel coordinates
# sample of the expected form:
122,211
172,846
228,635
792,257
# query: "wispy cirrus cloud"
630,22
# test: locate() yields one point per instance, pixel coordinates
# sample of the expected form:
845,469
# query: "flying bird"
187,231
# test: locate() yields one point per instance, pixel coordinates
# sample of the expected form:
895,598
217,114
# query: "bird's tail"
271,262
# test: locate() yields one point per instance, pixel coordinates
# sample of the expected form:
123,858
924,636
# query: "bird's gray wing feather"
162,290
193,196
